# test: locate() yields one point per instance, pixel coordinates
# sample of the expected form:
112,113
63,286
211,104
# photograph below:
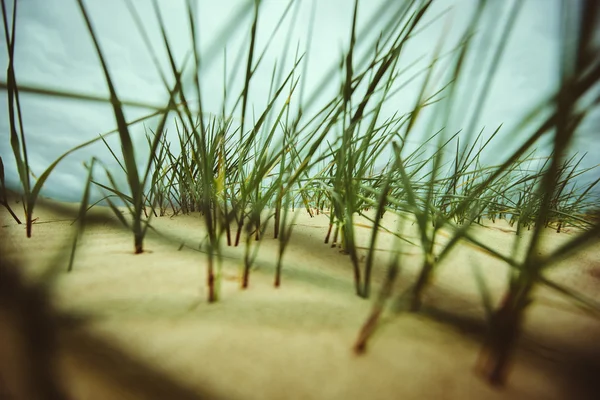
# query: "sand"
147,316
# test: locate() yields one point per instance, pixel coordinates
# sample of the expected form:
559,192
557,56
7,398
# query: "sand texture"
140,325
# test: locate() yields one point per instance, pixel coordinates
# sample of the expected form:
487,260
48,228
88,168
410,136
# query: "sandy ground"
295,342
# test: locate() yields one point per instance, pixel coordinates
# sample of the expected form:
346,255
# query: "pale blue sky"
54,50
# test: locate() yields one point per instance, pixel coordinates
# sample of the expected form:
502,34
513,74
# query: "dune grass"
242,169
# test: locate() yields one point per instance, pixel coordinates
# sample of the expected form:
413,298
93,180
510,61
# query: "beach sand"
294,342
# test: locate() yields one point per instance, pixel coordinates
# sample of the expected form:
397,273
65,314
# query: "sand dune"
294,342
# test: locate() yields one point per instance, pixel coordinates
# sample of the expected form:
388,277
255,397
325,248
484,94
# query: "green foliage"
348,156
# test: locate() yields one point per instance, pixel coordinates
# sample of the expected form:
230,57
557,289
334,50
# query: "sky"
54,50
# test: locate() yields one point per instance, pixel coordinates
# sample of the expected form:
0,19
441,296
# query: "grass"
244,168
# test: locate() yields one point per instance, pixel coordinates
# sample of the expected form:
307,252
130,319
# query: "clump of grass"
242,169
135,182
17,130
542,195
505,322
